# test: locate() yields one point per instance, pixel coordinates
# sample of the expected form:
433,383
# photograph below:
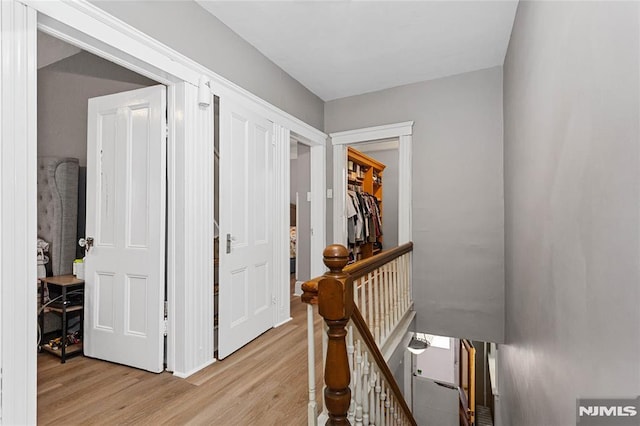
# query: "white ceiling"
344,48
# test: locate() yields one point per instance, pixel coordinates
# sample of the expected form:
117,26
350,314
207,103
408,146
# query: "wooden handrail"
333,293
355,270
363,267
374,351
310,291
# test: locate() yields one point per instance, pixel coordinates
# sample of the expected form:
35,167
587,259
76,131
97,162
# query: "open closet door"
246,227
126,180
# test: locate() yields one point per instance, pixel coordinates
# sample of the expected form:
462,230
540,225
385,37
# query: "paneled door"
126,181
246,303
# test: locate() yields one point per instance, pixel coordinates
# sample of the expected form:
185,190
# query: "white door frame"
190,174
340,140
17,215
318,205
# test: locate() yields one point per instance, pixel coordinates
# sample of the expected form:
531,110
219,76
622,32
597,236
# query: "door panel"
246,194
468,377
126,179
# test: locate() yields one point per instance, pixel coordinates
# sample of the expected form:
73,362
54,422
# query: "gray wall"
301,183
189,29
571,200
458,273
64,88
396,361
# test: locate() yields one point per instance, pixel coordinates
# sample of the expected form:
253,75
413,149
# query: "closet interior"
364,205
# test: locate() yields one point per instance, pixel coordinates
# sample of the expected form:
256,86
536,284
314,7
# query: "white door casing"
403,131
18,218
126,198
246,307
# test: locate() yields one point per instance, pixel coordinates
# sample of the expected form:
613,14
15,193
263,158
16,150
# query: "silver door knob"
87,243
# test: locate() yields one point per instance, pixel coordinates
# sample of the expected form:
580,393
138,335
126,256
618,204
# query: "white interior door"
246,307
126,180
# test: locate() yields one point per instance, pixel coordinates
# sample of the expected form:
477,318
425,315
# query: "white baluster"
325,344
366,389
355,291
387,301
378,393
396,293
392,296
363,299
405,282
407,276
312,414
376,301
370,294
398,289
357,380
401,308
389,406
372,395
350,356
383,414
381,303
383,325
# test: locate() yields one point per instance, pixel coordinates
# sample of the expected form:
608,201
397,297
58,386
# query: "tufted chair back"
58,210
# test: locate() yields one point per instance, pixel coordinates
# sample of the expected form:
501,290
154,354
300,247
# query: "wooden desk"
66,283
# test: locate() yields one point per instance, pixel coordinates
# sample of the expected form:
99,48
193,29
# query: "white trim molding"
398,131
318,208
280,235
191,234
18,214
339,194
405,205
368,134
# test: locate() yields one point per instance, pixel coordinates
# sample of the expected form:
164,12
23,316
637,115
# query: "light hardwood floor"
264,383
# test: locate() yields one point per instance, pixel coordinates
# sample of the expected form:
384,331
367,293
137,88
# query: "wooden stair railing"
378,399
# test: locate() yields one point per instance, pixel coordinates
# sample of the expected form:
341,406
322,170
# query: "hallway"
263,383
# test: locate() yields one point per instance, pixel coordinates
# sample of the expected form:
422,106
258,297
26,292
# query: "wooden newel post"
335,305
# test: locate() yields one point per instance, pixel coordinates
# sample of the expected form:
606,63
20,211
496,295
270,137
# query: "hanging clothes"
359,217
364,223
351,218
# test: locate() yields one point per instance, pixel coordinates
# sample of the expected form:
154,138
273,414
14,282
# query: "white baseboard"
282,322
195,370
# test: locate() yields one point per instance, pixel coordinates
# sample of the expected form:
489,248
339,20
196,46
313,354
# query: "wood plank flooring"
263,383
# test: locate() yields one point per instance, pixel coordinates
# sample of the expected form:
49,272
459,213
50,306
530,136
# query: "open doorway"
300,215
383,157
67,78
401,133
